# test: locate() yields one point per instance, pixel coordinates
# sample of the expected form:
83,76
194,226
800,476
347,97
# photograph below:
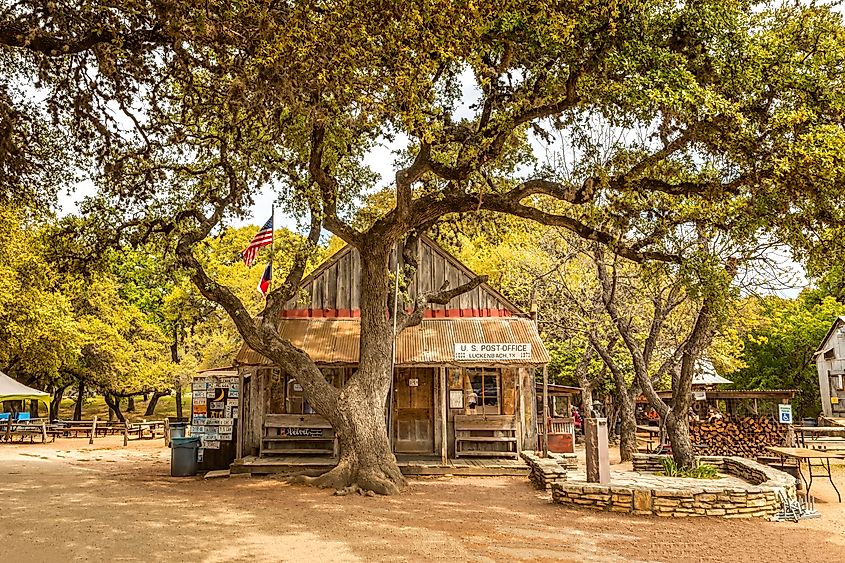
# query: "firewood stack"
740,436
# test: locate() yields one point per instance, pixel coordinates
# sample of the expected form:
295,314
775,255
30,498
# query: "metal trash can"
177,429
183,456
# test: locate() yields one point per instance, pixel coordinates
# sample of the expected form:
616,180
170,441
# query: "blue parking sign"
785,414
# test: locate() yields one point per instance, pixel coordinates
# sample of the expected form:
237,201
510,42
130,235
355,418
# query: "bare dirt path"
73,502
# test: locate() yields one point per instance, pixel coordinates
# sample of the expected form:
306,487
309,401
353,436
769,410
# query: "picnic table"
141,428
28,428
806,455
653,432
821,437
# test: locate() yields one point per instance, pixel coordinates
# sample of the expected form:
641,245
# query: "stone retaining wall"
727,503
545,471
668,497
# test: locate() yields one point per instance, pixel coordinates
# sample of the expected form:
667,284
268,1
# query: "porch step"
488,454
296,439
486,439
280,451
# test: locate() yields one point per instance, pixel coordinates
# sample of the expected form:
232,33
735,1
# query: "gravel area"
72,502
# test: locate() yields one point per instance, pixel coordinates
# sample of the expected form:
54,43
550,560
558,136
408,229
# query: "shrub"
699,471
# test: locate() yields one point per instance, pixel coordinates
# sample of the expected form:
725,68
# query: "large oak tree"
741,104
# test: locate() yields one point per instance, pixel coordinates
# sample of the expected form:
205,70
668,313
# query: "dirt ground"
72,502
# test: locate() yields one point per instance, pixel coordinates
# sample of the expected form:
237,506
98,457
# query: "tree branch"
15,34
439,297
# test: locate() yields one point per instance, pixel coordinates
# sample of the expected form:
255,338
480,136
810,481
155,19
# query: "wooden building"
463,380
830,364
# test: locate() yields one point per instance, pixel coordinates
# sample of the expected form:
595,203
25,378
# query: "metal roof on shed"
432,342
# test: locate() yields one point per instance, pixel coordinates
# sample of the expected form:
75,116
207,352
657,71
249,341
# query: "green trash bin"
183,456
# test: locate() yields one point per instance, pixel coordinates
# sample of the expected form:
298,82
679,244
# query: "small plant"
699,471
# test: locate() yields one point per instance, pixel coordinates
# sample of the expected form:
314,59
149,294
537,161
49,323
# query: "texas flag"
264,284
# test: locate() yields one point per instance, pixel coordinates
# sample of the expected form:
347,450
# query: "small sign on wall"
413,382
785,414
456,399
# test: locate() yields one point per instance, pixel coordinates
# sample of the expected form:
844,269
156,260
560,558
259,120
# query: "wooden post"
43,432
125,433
518,410
239,436
9,426
93,430
545,451
444,440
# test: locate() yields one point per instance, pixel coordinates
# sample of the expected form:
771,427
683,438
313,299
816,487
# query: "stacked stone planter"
677,497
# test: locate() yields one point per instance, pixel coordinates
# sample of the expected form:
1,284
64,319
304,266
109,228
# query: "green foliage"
779,351
698,471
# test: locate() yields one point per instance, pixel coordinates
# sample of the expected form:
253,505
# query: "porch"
412,465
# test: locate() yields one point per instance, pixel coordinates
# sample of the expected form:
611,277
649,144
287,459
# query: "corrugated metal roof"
432,342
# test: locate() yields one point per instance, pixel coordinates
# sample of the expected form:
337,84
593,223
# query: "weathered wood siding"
335,286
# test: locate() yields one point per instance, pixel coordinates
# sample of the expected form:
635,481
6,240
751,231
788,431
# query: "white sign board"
413,382
456,399
478,351
785,414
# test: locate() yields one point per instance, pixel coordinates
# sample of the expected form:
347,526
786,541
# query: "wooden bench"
297,434
485,436
822,438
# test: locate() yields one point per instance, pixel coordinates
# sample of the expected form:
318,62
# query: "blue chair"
23,416
4,416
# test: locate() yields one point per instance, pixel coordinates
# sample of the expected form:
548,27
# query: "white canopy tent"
11,390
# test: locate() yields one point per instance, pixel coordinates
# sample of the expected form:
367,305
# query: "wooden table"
807,455
652,431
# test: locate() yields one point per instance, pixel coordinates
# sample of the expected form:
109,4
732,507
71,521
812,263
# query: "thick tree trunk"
628,432
130,403
677,427
179,401
366,458
33,409
358,416
151,406
80,398
113,402
56,401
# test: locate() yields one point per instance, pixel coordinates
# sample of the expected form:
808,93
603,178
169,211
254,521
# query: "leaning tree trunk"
358,416
677,427
151,406
113,401
56,402
80,398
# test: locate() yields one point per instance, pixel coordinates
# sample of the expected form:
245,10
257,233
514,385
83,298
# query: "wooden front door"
414,411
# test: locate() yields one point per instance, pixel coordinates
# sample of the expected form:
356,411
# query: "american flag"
262,238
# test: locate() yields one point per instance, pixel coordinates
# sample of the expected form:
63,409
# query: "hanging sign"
785,414
479,351
699,395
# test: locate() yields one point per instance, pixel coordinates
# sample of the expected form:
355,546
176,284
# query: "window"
295,402
485,385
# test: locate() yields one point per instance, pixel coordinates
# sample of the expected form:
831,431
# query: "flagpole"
272,244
